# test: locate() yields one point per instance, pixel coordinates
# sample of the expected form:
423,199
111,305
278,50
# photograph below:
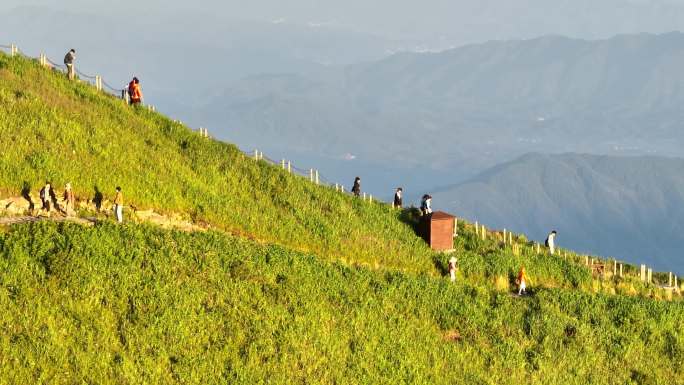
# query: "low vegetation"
135,304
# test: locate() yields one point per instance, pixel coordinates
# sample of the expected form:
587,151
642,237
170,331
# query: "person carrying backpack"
398,199
522,281
356,189
551,242
134,92
426,205
69,59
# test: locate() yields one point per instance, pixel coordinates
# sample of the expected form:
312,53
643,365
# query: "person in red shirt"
134,92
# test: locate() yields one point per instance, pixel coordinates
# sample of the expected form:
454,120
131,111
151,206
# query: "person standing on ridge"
69,59
68,199
551,242
426,205
522,281
118,205
356,190
398,199
134,92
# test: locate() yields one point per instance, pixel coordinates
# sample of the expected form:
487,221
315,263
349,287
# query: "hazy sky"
457,21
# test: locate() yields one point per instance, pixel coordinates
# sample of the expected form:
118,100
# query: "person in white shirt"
426,205
452,268
551,242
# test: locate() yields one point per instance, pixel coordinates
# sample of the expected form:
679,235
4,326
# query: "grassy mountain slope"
174,307
293,296
56,130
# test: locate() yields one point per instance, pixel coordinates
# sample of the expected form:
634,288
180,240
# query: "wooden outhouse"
439,230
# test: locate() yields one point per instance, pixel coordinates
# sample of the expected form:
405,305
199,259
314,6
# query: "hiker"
452,268
356,190
398,200
118,205
69,59
522,281
46,195
426,205
68,199
134,92
551,242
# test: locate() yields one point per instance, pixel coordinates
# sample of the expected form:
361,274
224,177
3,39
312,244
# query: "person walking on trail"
356,189
134,92
46,195
551,242
118,205
522,281
68,199
69,59
452,268
398,198
426,205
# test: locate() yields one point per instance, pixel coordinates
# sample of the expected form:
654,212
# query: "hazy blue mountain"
183,58
470,108
626,207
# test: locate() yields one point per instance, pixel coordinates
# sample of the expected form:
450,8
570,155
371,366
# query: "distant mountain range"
470,108
627,207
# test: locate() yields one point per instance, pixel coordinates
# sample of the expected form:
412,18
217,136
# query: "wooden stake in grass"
504,237
510,237
643,273
669,280
538,249
316,176
621,270
289,167
477,229
484,233
650,275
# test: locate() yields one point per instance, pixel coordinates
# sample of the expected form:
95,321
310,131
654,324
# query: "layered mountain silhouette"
626,207
470,108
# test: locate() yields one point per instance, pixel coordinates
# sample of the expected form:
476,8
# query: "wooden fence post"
256,154
477,229
643,273
13,50
504,237
282,163
614,268
289,167
311,175
370,198
586,260
538,248
669,280
650,275
621,270
342,188
364,196
510,237
316,176
484,233
455,224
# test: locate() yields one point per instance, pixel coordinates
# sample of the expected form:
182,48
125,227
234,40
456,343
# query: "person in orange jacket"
134,91
522,281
